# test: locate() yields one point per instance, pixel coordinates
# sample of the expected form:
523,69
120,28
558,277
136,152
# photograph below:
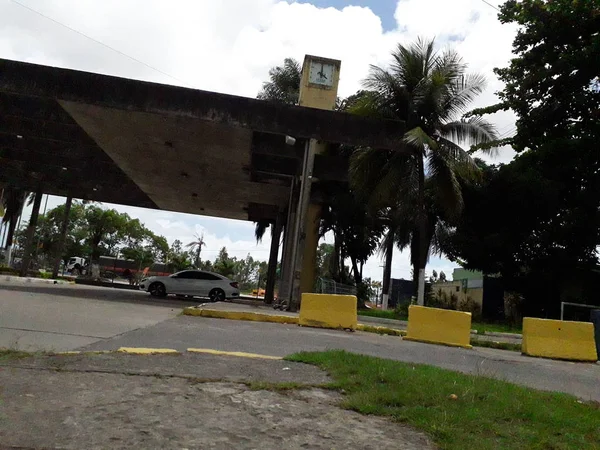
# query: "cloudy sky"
229,45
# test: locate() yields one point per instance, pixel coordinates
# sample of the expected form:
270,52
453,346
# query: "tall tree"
430,92
196,248
552,186
224,265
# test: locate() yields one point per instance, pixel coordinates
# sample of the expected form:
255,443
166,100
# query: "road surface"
35,316
48,317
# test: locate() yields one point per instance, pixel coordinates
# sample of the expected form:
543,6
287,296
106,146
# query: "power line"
489,4
100,42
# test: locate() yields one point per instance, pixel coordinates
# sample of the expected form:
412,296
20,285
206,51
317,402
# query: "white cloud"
229,46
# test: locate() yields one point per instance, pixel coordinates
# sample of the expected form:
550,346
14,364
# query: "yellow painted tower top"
319,82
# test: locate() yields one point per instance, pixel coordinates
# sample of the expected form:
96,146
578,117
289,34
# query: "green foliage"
93,232
224,265
178,258
486,414
552,186
429,92
284,83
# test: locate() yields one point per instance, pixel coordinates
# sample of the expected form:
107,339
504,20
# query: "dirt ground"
184,401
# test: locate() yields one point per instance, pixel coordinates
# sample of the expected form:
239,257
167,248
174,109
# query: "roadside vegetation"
480,327
460,411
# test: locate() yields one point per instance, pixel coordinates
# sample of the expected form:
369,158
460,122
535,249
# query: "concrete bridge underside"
122,141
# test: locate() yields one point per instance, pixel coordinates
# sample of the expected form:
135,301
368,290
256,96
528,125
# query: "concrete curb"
166,351
147,351
446,344
380,330
274,318
239,315
16,279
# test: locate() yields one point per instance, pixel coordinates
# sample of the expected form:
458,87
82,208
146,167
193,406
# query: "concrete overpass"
109,139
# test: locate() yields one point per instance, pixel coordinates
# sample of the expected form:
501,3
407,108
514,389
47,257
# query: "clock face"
321,73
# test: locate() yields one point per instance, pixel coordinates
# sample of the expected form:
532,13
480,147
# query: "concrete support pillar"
63,237
287,257
29,235
273,257
309,246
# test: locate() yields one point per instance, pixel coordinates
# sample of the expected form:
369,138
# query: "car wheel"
75,272
157,290
217,295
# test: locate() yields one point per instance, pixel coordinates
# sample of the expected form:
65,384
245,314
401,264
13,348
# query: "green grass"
389,314
480,327
8,354
488,414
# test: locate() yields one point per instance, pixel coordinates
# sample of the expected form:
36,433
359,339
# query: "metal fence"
325,286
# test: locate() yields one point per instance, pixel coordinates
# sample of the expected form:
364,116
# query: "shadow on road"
99,293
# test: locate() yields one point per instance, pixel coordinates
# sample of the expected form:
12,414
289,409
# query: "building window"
457,288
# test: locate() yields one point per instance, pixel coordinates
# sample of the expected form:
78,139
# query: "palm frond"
448,193
382,177
459,160
260,229
419,140
472,131
284,84
463,89
491,147
412,64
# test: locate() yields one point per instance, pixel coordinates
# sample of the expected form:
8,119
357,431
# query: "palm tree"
196,247
430,93
14,199
284,83
283,87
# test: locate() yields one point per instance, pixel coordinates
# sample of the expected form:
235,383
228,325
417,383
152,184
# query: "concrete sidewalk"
181,401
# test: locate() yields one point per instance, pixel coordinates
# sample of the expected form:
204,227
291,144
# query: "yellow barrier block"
328,311
439,326
559,339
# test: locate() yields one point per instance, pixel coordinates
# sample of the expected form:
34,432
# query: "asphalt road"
36,316
580,379
47,317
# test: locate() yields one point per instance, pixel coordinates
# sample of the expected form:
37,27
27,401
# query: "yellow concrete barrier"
559,339
439,326
328,311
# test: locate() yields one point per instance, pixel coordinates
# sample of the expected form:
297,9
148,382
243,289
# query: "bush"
470,305
513,308
442,299
45,275
5,270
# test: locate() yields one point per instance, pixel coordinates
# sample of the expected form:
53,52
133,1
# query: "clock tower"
318,89
319,82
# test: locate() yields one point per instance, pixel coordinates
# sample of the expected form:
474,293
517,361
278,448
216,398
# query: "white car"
195,283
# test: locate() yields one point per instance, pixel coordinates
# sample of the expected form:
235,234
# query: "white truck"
76,265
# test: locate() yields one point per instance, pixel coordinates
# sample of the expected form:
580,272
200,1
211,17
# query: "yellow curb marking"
68,353
146,351
239,354
239,315
425,341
